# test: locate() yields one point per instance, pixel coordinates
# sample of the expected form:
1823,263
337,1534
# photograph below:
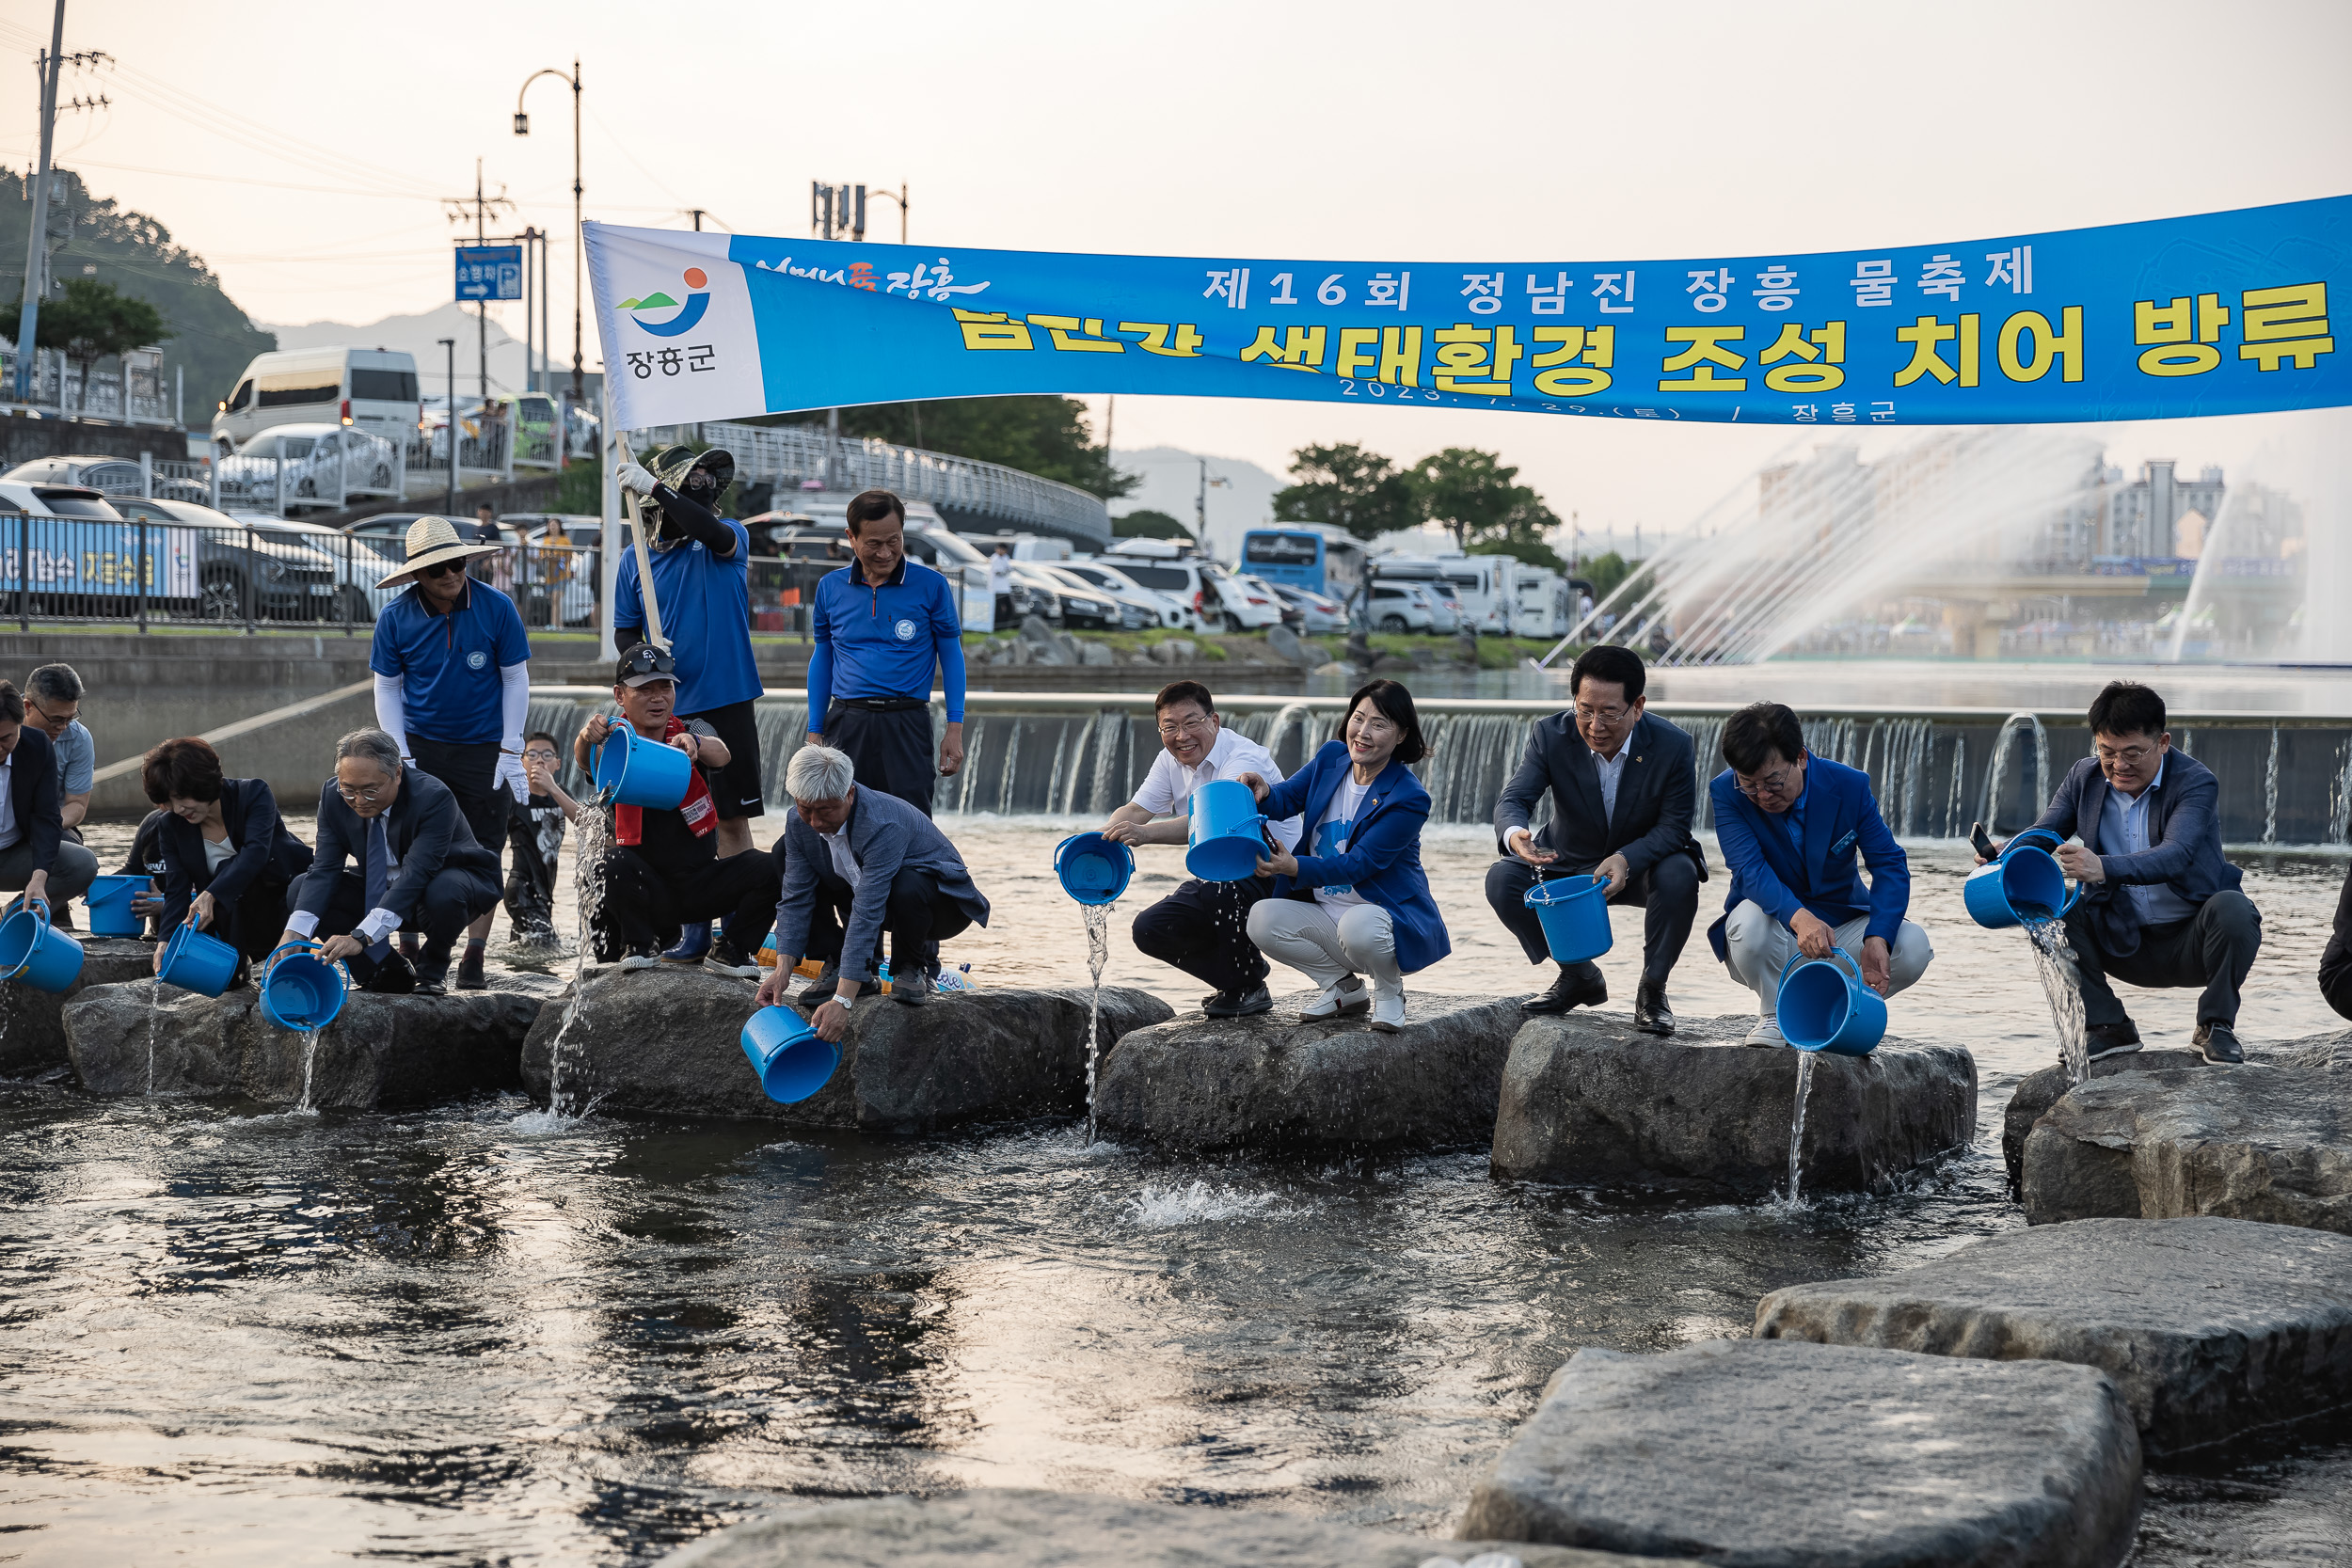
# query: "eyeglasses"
1602,715
1199,724
2128,756
369,794
539,754
440,568
1777,783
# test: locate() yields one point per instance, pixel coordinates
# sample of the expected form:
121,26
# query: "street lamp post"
579,233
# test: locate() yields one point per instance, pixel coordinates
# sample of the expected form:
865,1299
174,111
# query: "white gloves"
635,480
512,776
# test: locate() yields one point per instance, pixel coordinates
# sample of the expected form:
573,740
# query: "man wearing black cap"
663,867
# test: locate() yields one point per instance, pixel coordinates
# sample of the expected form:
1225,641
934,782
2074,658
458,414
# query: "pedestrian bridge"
971,495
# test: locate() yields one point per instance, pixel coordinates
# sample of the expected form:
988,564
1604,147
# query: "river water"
457,1336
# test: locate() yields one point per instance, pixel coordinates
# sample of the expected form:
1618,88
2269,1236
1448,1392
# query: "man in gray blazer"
2160,905
1622,787
858,862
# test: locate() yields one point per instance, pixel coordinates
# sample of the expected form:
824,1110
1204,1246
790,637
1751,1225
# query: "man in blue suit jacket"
2160,905
1790,825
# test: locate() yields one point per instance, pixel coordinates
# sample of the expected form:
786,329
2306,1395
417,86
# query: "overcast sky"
301,149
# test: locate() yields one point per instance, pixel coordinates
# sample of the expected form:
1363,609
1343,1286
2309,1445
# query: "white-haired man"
858,862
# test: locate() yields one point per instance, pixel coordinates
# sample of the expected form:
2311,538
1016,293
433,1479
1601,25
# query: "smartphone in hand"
1977,836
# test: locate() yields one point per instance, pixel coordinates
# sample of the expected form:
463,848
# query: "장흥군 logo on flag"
688,317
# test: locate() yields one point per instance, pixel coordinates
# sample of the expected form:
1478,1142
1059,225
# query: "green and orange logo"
697,301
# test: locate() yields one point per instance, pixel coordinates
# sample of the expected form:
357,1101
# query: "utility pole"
697,213
481,206
37,242
449,346
579,231
1200,509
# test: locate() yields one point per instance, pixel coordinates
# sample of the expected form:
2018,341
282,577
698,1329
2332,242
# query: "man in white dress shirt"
1202,927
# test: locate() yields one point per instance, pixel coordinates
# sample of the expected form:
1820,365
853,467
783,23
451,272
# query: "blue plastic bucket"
635,771
2023,881
791,1061
32,951
109,900
1575,916
194,961
301,991
1823,1005
1094,869
1225,841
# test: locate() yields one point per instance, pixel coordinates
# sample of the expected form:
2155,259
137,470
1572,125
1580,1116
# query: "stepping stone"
2211,1329
1770,1453
2269,1140
668,1043
1199,1084
382,1053
32,1022
2038,1091
1589,1100
1057,1530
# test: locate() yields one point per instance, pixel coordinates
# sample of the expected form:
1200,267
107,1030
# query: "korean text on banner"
2221,313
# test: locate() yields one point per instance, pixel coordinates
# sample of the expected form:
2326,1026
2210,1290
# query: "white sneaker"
1767,1032
1344,998
640,960
1387,1010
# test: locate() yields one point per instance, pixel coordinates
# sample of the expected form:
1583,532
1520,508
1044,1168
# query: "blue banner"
2222,313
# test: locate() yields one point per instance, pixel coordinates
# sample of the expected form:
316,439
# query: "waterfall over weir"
2283,782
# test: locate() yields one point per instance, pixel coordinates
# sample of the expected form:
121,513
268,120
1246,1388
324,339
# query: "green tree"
1147,524
209,338
94,322
1604,573
1042,436
1347,487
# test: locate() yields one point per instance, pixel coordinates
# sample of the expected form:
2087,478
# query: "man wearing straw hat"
453,688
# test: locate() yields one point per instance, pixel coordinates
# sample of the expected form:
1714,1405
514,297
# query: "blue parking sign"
489,271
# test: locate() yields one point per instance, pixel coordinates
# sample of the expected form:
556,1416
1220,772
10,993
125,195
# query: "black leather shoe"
2111,1039
1651,1015
1239,1004
470,974
1569,992
2218,1042
392,978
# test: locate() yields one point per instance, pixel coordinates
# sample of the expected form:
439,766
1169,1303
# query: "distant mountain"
421,335
1171,484
211,339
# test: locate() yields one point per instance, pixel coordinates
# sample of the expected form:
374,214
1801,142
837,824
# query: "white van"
1486,586
1544,604
374,389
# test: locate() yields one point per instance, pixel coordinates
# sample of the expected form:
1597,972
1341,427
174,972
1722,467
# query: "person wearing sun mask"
700,579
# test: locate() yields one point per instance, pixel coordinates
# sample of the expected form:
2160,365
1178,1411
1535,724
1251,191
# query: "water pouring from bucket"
2023,882
301,990
193,961
1824,1004
1094,869
790,1059
33,952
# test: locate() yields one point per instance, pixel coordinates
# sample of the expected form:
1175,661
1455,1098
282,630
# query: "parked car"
1292,616
357,569
320,465
113,476
1319,615
1403,607
1241,605
1191,580
237,565
1159,610
1036,592
1084,604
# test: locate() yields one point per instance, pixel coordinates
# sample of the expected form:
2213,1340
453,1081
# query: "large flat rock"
667,1042
2038,1091
2270,1140
32,1022
2211,1329
1057,1530
382,1053
1770,1453
1200,1084
1588,1101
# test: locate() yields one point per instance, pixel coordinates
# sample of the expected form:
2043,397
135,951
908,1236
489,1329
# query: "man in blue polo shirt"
880,627
701,578
452,687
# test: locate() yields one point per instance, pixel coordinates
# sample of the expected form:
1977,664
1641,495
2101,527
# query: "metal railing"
126,386
788,455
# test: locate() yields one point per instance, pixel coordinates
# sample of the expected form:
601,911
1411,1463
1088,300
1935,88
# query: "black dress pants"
917,919
1204,929
1668,892
453,899
2214,948
645,903
470,770
888,751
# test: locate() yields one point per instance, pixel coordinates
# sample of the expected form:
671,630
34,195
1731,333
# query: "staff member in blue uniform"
700,582
880,627
452,689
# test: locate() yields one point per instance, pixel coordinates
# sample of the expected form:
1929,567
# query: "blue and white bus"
1313,556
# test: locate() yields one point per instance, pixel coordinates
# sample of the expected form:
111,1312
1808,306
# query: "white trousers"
1362,940
1758,947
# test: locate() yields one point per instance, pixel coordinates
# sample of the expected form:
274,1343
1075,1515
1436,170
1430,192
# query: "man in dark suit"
36,857
2160,905
420,869
1622,783
1792,827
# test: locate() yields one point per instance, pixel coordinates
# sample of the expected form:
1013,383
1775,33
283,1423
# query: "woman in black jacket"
227,854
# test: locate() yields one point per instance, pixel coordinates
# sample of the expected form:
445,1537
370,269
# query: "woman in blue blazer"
1360,904
228,856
